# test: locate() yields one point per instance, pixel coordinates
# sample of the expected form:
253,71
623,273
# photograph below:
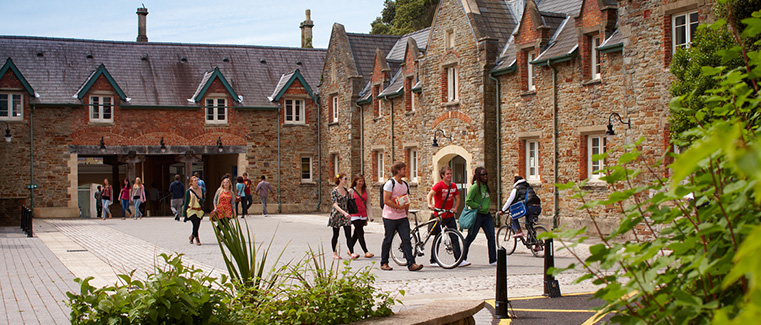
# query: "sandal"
336,257
369,255
385,267
354,256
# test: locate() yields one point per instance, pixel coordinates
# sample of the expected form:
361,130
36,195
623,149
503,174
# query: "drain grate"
75,250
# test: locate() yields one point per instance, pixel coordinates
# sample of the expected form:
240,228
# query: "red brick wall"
521,163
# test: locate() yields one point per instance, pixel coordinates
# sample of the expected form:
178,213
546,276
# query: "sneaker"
537,248
385,267
517,234
434,264
493,263
415,267
464,263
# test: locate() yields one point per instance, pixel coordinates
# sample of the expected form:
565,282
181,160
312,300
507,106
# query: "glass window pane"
679,20
95,106
221,113
4,105
210,113
16,110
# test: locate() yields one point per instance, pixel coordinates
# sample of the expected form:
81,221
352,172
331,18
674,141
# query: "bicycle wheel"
448,248
397,253
505,239
539,247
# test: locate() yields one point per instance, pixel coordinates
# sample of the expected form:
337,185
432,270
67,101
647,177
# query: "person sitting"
522,189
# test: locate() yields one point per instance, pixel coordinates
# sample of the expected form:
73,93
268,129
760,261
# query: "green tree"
404,16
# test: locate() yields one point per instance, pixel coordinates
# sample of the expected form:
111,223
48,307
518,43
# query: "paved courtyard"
37,272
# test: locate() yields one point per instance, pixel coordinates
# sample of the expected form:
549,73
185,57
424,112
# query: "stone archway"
445,155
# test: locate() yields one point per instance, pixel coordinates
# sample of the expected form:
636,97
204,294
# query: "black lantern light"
8,136
102,145
219,144
443,135
609,134
163,147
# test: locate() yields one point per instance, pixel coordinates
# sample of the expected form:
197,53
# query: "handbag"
518,210
351,205
468,217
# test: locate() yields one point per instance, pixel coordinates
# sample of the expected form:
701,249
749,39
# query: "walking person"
177,190
106,195
396,205
240,187
192,210
98,202
201,183
263,189
246,199
339,216
224,201
523,192
478,198
359,219
445,196
124,198
138,197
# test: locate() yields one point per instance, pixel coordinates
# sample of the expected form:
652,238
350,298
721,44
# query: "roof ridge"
61,39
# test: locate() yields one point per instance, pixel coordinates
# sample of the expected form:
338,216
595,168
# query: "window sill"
15,121
308,183
452,103
595,184
377,118
290,125
333,123
100,123
216,125
410,113
591,82
529,93
535,182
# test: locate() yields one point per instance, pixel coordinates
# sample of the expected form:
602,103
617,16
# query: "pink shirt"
399,190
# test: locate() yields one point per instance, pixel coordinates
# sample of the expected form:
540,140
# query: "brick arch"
447,57
451,115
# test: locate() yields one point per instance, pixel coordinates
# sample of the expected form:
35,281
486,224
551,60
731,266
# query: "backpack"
393,183
531,197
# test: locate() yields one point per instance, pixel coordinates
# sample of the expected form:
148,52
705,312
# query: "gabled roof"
564,45
395,86
10,66
363,47
366,95
286,81
614,43
156,74
490,19
396,54
206,81
100,71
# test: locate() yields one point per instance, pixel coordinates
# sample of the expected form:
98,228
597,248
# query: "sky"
253,22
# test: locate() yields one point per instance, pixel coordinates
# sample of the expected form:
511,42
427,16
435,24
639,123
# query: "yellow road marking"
555,310
600,314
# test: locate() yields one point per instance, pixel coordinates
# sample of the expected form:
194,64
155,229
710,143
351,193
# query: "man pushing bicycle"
445,196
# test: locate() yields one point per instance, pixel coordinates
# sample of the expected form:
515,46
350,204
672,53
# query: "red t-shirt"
441,193
247,189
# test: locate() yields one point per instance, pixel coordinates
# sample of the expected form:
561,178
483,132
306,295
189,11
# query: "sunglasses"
484,174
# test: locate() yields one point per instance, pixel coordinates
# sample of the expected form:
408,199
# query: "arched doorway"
459,160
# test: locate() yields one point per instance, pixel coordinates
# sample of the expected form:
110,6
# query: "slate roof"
563,43
395,85
156,74
492,18
363,47
613,43
397,52
569,7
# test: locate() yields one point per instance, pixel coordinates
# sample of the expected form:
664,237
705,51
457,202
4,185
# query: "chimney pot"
142,36
306,30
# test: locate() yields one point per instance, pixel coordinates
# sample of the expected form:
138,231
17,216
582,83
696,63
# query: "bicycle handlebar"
442,210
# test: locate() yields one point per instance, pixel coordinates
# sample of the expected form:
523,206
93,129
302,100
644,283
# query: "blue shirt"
177,190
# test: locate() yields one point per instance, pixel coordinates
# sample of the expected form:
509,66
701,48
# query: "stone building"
81,111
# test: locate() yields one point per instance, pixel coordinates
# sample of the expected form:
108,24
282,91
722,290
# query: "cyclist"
445,196
521,189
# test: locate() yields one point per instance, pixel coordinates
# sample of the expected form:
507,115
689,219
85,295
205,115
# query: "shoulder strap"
443,203
360,195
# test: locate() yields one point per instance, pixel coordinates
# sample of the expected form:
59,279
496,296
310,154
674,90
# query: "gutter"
279,176
556,194
31,157
499,139
319,157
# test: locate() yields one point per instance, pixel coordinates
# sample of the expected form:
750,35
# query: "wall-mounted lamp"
163,147
219,144
443,135
8,136
102,145
609,134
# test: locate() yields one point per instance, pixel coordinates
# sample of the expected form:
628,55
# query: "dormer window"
530,69
294,111
11,106
595,56
216,111
101,109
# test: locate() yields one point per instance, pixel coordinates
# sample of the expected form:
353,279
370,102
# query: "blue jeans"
137,209
125,208
264,205
485,222
106,210
532,216
402,227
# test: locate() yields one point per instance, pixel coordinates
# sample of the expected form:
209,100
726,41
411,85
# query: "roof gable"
530,21
206,81
286,81
10,66
100,71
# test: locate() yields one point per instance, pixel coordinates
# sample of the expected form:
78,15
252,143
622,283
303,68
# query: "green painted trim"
611,48
101,71
417,90
393,95
507,70
10,65
557,59
296,75
217,74
365,101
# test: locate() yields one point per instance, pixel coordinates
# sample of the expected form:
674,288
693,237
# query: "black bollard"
501,302
551,286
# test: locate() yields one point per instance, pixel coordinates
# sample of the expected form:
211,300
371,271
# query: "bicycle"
447,249
505,237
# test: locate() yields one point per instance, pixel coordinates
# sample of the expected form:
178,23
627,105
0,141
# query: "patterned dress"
224,210
337,219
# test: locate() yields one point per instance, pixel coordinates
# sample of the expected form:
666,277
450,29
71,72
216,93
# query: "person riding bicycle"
445,196
522,189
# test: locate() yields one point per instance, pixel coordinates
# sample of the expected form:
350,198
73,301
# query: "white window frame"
12,105
308,160
336,167
413,101
414,163
335,109
452,84
595,54
531,56
215,104
380,107
449,39
689,27
593,166
379,163
532,166
101,107
295,117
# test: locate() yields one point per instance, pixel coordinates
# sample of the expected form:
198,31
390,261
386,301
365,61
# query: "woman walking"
138,196
106,195
359,219
192,208
240,194
224,201
124,197
478,198
339,217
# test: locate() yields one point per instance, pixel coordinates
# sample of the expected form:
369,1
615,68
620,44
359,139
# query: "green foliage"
315,293
404,16
175,294
700,266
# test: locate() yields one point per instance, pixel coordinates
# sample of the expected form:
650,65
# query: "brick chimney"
306,31
141,16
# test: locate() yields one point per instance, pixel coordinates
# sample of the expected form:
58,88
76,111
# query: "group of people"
443,195
129,195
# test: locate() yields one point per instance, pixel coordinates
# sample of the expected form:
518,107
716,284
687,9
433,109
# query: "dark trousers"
196,224
451,224
402,227
359,235
485,222
100,211
246,200
334,240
